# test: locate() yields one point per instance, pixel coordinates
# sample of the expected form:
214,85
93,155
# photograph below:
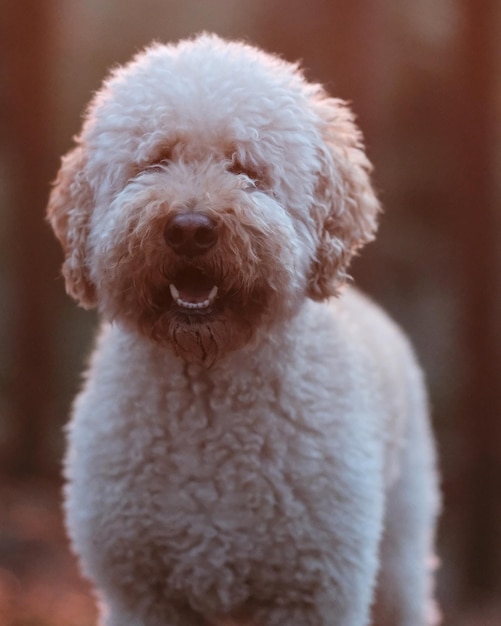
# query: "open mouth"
193,290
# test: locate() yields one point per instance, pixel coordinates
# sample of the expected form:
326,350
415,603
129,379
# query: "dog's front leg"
332,576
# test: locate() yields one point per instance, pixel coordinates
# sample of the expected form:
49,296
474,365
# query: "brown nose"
190,234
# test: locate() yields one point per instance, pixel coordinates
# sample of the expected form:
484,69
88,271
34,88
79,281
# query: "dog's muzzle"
191,235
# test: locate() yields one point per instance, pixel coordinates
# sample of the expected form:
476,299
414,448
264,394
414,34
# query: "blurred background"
423,78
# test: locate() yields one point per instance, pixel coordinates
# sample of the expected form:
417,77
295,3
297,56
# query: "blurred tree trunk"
342,45
27,58
473,132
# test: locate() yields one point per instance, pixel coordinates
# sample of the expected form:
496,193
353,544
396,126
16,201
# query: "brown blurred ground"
39,581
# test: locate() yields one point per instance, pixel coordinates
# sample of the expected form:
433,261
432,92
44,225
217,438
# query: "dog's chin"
205,328
205,338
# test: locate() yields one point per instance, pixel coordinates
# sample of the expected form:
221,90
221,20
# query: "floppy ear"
346,206
69,209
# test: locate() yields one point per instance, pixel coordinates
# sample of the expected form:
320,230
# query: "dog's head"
211,190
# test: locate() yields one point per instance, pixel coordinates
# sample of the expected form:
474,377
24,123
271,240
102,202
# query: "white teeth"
193,305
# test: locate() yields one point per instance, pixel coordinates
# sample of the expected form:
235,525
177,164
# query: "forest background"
423,78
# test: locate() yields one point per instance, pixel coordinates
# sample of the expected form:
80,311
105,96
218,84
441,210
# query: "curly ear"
346,206
69,209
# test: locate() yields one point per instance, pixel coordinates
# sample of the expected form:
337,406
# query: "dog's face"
212,189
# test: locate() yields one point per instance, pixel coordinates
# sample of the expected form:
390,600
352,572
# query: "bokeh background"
423,77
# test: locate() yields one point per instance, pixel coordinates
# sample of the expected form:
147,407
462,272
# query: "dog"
252,443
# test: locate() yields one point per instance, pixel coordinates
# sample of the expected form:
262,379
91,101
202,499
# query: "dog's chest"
220,460
228,477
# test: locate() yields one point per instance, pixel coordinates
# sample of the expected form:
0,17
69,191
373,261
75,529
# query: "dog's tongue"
193,287
194,293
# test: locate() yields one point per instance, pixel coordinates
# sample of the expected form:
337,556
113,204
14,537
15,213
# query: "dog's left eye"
158,164
237,168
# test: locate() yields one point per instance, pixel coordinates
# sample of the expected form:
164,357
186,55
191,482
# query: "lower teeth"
193,305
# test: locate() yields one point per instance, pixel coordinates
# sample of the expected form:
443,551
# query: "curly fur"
251,462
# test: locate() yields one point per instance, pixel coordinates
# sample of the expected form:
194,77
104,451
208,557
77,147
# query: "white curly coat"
268,460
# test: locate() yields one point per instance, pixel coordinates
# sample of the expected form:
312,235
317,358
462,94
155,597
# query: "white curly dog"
252,443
